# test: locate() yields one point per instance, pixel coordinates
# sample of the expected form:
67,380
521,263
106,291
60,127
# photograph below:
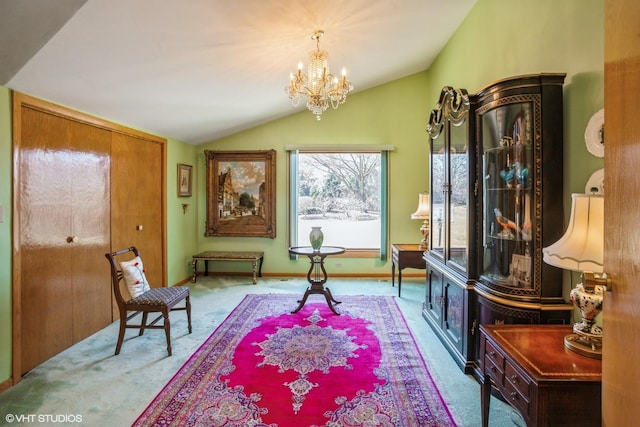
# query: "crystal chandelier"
319,86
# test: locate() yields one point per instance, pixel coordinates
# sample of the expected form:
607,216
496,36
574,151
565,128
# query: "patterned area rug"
264,366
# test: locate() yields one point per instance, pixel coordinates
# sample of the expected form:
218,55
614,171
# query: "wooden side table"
548,384
405,256
253,257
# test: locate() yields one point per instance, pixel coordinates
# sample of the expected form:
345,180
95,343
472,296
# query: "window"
345,193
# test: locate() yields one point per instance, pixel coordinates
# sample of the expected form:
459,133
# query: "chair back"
116,272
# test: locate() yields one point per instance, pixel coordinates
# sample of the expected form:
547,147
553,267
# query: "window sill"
360,253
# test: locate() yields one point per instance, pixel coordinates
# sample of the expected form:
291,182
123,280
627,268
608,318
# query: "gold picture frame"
184,180
241,193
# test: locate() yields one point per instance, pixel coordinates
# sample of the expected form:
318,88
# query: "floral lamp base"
587,335
424,230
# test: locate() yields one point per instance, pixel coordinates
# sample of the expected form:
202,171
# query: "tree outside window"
342,193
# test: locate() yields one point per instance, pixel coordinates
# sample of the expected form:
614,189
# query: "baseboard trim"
333,274
6,384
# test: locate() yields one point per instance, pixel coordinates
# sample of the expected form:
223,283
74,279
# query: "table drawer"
493,371
513,396
494,355
520,383
410,259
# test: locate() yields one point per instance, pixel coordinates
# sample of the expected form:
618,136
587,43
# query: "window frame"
293,190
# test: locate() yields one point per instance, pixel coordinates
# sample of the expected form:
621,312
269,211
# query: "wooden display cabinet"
519,128
496,165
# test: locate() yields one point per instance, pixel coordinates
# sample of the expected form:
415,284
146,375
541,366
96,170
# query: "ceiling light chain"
320,87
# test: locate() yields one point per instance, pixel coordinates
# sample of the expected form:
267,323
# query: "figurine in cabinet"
508,226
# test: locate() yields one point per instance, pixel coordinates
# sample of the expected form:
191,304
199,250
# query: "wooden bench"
253,257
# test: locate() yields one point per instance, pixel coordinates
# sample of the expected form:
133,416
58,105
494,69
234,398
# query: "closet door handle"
72,239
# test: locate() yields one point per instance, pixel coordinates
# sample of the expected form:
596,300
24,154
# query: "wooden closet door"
137,201
91,224
63,233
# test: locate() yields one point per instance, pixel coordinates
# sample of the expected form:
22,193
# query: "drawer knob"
514,395
492,369
492,354
515,378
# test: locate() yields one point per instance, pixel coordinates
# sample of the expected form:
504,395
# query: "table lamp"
581,249
423,213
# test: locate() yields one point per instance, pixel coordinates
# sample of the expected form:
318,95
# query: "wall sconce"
184,208
581,249
423,213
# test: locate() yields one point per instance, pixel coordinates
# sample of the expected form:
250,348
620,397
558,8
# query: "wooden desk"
253,257
405,256
548,384
317,275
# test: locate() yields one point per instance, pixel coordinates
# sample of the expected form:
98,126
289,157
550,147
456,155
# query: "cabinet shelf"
509,189
500,280
508,239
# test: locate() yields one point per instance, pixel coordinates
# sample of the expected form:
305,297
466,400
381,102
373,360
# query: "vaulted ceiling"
197,70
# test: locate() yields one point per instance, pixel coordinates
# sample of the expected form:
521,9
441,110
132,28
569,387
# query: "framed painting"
184,180
241,193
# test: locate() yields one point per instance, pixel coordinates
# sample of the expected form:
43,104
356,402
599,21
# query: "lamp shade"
423,207
581,247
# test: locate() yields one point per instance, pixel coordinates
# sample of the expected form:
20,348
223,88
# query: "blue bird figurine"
507,175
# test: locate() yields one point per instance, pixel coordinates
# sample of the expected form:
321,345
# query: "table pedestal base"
318,289
317,275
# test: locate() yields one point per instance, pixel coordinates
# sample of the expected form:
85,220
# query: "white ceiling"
197,70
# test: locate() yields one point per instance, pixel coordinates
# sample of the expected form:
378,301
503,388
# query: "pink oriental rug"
264,366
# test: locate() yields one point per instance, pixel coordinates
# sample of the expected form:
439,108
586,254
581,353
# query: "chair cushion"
161,296
134,278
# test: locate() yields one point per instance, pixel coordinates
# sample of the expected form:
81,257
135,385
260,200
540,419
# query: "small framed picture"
184,180
520,270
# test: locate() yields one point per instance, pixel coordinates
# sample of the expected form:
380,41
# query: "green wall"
5,234
503,38
181,230
394,113
498,39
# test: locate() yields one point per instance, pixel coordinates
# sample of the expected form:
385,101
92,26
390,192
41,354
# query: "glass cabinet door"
509,218
459,193
448,128
438,171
